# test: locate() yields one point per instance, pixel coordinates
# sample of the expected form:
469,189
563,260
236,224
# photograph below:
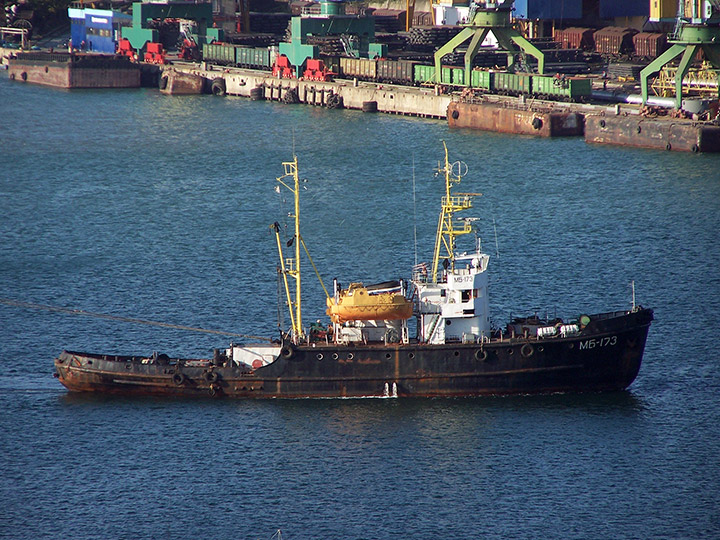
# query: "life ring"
481,355
527,350
218,87
211,376
178,378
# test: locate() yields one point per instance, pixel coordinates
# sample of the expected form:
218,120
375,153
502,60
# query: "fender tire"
217,88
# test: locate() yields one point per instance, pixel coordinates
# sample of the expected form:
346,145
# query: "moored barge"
74,70
367,350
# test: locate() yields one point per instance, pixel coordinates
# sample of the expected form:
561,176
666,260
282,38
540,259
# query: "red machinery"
189,50
283,68
125,49
315,70
154,53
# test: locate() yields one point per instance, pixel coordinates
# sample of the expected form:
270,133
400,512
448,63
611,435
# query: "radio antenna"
497,252
414,208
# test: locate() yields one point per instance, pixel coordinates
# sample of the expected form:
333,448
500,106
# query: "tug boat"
367,349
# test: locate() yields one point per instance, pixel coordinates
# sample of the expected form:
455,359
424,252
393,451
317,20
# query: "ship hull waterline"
606,356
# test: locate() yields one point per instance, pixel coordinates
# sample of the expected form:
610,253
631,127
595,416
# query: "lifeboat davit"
381,302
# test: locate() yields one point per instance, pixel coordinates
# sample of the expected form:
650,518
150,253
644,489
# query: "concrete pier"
393,99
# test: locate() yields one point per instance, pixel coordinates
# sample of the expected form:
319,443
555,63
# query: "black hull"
605,355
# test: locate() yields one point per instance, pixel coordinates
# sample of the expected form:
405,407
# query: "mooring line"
57,309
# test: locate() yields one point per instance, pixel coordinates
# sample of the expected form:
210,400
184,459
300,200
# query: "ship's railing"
459,201
420,272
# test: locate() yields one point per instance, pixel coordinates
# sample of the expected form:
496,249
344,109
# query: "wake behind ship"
366,349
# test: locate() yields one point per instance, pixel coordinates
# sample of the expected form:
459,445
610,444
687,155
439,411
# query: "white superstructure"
452,301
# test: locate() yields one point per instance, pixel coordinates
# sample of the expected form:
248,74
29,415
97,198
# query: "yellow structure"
448,228
663,10
696,82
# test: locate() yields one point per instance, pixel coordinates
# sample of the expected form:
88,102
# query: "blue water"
140,205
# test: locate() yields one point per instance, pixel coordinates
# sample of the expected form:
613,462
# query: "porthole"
350,356
319,356
335,356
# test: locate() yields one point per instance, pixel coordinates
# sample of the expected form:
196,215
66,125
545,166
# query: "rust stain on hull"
491,117
660,134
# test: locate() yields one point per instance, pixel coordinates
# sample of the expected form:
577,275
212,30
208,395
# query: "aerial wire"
73,311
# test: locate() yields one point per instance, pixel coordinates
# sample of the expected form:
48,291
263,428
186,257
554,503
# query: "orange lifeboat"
373,303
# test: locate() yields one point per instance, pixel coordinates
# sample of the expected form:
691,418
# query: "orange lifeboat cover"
356,303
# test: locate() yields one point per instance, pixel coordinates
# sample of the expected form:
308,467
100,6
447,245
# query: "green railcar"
425,74
458,76
513,83
482,78
568,88
219,53
422,74
253,57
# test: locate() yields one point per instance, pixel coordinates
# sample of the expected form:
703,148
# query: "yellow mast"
447,229
290,266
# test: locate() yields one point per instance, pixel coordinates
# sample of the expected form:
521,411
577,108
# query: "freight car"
650,45
378,70
403,72
515,84
614,42
228,54
563,88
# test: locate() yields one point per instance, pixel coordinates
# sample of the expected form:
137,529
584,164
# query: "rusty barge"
74,70
367,349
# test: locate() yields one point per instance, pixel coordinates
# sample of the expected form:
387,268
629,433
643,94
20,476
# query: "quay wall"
424,102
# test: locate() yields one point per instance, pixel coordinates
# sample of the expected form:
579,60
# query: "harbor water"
138,205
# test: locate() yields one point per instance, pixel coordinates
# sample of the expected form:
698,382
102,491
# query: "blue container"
609,9
548,9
